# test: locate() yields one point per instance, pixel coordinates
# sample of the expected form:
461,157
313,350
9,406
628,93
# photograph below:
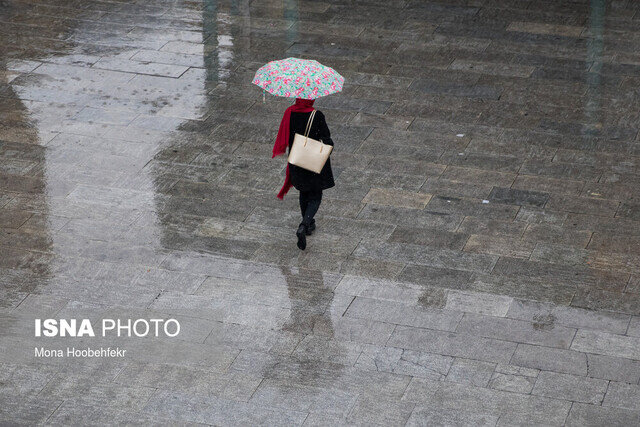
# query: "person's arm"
323,130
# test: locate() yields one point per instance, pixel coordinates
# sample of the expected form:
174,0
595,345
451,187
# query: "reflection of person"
308,308
310,184
310,315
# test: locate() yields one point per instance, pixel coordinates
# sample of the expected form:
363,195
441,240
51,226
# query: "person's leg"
311,201
315,197
302,228
304,201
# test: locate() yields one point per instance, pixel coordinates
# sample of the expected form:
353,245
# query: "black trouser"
309,204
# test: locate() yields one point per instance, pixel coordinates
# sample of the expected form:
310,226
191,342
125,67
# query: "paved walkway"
478,262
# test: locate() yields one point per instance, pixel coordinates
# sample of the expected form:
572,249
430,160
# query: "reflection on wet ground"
477,263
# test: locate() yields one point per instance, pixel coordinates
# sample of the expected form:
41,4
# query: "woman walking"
306,80
309,184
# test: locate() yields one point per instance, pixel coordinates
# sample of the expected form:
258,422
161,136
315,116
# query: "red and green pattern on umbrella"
298,78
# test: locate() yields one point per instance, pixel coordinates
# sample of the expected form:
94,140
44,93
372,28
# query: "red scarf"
282,140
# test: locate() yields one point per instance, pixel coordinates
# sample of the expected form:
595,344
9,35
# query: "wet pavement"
477,263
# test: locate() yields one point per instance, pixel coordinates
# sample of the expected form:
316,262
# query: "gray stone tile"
568,316
518,197
582,414
537,28
253,338
498,245
570,387
561,170
551,359
623,395
549,233
117,397
11,298
285,396
371,268
321,419
360,105
21,380
634,327
402,314
356,330
472,225
618,243
513,383
375,145
516,370
423,365
483,161
231,385
41,305
472,372
322,374
392,197
473,302
404,362
358,228
422,255
423,416
428,237
562,273
382,120
384,180
478,176
467,91
405,166
594,299
370,410
511,407
452,344
283,255
411,217
516,330
532,215
326,349
510,70
451,188
209,410
613,368
633,286
550,185
379,289
607,344
168,58
629,210
622,262
602,207
21,410
471,207
560,254
437,277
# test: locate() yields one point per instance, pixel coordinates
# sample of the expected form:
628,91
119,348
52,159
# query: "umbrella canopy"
298,78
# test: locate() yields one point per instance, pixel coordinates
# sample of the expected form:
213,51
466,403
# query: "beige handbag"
309,153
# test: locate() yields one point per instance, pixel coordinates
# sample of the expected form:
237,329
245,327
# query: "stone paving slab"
477,262
576,389
481,401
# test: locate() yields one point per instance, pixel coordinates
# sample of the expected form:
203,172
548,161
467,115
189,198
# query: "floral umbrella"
298,78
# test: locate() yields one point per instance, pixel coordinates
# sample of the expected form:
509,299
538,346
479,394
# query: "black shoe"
311,227
302,236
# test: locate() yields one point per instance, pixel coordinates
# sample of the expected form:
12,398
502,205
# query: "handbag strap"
309,122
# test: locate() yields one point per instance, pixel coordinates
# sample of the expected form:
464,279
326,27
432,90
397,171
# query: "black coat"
302,179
